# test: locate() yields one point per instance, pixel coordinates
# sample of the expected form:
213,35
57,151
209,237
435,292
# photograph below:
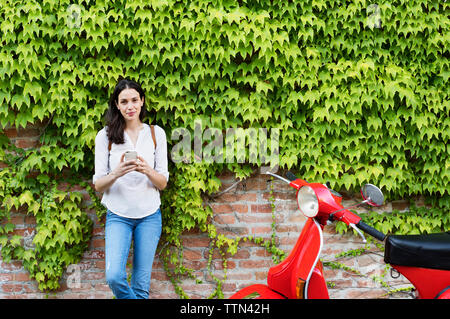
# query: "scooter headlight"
307,201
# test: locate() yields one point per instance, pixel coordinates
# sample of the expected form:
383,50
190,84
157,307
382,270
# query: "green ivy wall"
358,90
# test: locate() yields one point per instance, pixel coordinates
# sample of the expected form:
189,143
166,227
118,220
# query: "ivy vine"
63,229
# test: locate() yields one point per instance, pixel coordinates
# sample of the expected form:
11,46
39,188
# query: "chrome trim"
317,259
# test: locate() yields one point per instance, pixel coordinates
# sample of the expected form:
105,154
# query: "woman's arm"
157,179
105,182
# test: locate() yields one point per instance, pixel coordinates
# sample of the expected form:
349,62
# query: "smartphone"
130,155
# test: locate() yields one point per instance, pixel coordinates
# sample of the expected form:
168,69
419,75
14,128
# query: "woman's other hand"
124,167
157,179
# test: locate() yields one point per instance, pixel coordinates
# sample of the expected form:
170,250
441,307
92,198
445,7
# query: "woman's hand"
157,179
105,182
142,166
124,167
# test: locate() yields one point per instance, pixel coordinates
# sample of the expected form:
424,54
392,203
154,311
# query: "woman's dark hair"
114,119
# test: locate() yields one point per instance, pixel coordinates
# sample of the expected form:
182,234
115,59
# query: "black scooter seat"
425,251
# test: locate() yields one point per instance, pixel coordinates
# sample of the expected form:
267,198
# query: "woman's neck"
133,126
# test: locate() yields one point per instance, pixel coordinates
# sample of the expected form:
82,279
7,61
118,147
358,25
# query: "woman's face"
129,104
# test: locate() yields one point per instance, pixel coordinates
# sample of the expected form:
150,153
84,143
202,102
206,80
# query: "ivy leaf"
15,240
39,111
197,185
3,240
320,113
26,197
28,255
40,277
33,89
263,87
9,227
23,118
5,97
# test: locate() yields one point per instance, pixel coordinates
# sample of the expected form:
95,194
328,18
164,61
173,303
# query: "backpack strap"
152,129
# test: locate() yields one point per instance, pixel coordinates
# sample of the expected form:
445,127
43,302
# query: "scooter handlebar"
290,176
370,230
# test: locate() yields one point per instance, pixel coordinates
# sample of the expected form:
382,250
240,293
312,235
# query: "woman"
131,189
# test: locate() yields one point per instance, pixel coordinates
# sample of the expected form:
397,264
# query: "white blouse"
132,195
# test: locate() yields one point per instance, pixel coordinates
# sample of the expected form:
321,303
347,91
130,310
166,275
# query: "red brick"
28,132
261,208
218,265
196,264
287,206
258,183
400,205
297,218
225,219
262,253
261,230
226,175
160,276
81,287
11,266
246,218
15,219
290,241
255,263
24,232
94,254
231,197
240,276
229,287
278,185
98,231
93,275
261,275
196,241
240,254
342,283
6,277
288,228
233,231
240,208
12,287
21,277
98,243
189,254
229,208
366,294
99,264
11,132
280,196
220,208
26,143
30,220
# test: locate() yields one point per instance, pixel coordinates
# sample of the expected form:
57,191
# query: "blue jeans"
119,232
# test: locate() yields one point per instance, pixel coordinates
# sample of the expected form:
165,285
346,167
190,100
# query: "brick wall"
244,210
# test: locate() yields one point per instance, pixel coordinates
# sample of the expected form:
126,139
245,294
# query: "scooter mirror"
372,195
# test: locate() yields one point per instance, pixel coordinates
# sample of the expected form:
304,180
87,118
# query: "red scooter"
423,259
